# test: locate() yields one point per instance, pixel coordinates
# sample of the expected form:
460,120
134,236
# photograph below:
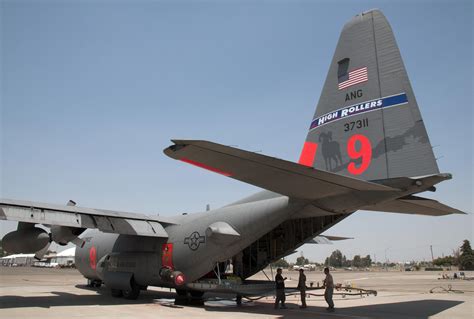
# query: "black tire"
117,293
181,292
196,293
133,293
94,283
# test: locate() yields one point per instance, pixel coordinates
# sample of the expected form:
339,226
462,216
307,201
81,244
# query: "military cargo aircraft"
367,149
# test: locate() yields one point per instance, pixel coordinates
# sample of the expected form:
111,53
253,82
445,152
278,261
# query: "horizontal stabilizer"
414,205
267,172
336,238
326,240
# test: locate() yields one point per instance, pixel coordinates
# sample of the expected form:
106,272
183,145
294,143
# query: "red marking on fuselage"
167,255
308,154
93,257
201,165
364,153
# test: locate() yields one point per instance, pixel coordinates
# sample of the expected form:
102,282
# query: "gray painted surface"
299,202
400,144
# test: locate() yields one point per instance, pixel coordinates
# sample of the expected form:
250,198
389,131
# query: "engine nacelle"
63,234
26,241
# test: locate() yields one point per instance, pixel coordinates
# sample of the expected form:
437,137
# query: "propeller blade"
40,253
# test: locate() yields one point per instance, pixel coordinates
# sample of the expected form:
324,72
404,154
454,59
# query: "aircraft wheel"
196,293
117,293
181,292
133,293
94,283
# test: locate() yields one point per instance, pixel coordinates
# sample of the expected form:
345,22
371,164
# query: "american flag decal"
355,77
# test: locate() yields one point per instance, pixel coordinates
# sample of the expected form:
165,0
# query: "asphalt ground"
27,292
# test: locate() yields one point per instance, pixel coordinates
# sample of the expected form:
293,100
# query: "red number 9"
365,153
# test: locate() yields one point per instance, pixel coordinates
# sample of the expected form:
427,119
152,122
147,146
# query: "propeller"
40,253
76,241
60,234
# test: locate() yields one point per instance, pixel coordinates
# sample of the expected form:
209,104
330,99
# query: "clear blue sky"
92,92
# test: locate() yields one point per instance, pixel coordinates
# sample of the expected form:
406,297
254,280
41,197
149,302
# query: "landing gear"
189,297
133,293
181,292
196,294
130,294
117,293
94,283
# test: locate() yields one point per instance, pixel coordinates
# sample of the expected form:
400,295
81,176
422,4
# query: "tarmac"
27,292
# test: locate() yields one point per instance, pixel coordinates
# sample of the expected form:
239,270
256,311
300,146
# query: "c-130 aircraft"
367,148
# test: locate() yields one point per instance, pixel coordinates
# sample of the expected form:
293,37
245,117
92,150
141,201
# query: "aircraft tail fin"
367,123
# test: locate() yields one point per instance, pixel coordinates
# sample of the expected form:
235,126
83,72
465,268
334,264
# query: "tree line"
338,260
462,257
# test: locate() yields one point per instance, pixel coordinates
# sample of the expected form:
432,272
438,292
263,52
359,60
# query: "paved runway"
56,293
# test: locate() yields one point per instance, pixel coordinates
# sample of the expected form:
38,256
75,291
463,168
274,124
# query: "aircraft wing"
80,217
414,205
267,172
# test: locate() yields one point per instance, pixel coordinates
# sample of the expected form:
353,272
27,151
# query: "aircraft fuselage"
193,247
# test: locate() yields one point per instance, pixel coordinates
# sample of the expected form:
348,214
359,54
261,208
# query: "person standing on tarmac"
280,289
302,287
237,268
329,285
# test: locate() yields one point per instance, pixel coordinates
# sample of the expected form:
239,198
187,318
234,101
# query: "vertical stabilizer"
367,123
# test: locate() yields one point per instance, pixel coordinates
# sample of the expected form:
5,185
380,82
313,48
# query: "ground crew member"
280,289
302,288
329,285
237,267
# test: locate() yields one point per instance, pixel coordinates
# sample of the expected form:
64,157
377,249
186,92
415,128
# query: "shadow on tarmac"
101,298
406,309
420,309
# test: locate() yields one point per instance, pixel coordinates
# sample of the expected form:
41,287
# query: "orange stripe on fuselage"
210,168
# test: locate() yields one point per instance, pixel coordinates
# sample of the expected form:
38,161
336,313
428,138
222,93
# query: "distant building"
18,260
64,258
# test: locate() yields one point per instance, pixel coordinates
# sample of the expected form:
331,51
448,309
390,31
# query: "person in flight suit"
280,289
302,287
329,285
